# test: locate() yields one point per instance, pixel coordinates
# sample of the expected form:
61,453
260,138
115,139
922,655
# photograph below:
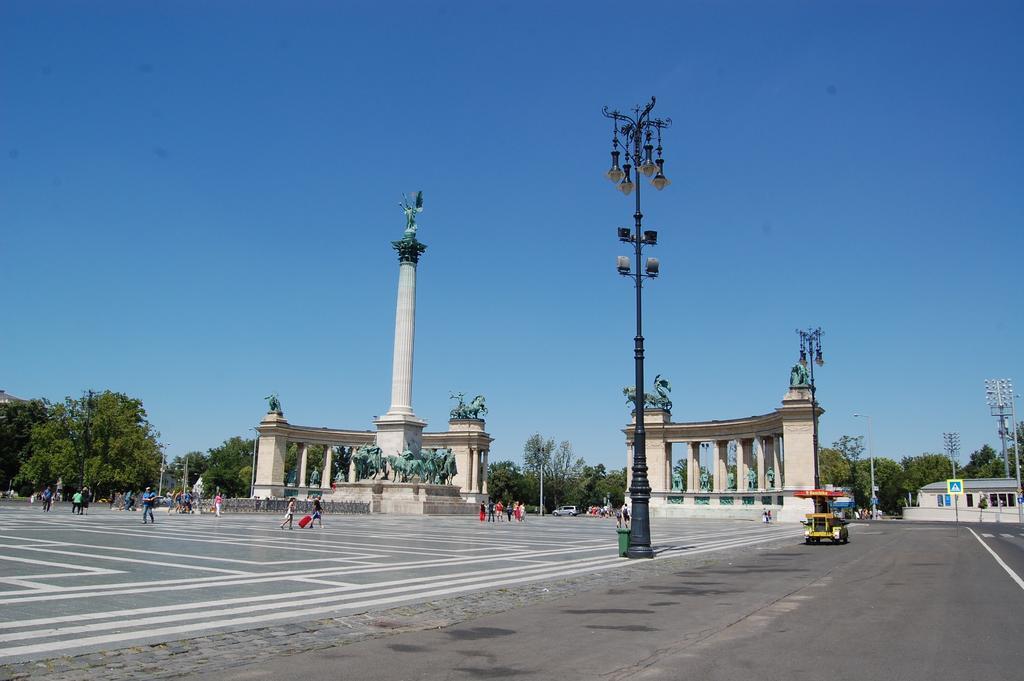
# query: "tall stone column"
303,453
327,472
483,471
474,472
693,471
742,463
769,460
760,462
721,465
399,427
779,461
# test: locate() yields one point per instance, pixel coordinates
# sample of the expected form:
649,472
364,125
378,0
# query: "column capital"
409,249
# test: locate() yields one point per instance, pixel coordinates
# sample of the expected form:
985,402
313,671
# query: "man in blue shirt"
148,499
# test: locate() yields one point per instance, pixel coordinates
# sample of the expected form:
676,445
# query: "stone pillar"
742,463
303,453
405,331
721,464
270,455
483,471
399,427
327,472
798,438
693,470
779,461
760,462
474,473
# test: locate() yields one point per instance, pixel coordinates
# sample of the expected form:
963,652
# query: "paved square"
71,584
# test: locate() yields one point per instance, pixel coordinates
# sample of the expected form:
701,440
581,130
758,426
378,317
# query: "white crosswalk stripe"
119,584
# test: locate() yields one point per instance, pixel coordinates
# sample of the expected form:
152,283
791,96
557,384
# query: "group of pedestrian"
317,516
766,516
492,511
80,501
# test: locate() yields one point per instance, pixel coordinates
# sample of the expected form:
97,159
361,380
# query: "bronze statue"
798,377
411,209
273,404
658,400
705,480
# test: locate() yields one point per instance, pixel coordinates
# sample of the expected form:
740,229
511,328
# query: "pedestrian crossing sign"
955,486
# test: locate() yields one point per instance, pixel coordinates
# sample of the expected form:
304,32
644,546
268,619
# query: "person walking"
148,499
510,511
86,498
47,498
490,510
483,512
625,515
500,510
217,501
289,514
318,513
76,502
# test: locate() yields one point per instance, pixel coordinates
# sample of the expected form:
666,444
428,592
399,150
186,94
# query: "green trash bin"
623,541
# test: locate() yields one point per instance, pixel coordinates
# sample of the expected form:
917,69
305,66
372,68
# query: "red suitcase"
306,521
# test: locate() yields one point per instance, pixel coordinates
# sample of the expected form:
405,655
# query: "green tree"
985,462
505,481
17,419
922,470
563,474
104,438
851,448
230,467
889,478
198,463
537,454
833,467
614,487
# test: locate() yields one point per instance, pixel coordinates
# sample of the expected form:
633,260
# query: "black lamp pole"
810,354
636,132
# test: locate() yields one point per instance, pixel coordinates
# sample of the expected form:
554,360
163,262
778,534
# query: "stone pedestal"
395,431
411,498
270,455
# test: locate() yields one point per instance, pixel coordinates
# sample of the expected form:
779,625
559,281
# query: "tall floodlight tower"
951,443
1001,402
399,427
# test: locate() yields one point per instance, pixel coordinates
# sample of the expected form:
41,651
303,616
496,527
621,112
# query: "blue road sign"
874,501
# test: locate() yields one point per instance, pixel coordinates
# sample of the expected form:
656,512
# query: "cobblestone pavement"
550,558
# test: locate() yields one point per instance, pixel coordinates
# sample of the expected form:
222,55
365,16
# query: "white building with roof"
1000,494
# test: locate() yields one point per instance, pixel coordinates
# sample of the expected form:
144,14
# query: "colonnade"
760,454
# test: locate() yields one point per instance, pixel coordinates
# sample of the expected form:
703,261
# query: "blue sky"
197,200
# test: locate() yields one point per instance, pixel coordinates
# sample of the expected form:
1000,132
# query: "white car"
566,510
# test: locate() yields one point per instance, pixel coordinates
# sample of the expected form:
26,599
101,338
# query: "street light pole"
871,456
637,131
810,354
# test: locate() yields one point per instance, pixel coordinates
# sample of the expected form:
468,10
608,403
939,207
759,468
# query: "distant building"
7,398
1000,494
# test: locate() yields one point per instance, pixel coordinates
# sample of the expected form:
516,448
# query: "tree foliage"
103,438
17,419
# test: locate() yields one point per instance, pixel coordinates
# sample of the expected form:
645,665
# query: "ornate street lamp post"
636,132
810,354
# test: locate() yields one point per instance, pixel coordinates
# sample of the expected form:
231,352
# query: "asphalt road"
902,601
